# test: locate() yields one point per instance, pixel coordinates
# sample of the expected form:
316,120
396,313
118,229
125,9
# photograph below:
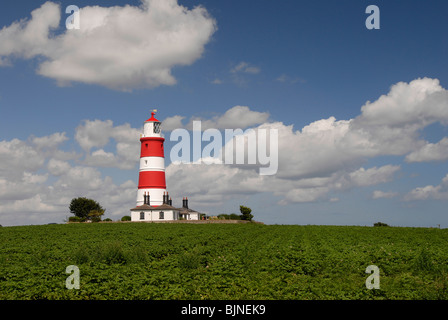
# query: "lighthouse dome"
152,118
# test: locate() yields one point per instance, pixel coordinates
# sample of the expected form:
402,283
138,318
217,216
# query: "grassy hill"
222,261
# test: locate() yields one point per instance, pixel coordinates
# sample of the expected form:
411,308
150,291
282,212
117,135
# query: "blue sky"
289,63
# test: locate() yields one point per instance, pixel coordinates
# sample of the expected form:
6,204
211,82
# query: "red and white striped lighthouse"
151,180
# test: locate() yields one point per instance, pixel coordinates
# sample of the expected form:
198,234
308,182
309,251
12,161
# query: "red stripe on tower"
152,147
151,179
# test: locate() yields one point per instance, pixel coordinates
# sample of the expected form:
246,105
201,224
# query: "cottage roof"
148,207
186,210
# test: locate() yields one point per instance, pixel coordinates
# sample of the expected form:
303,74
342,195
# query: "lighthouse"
151,179
153,201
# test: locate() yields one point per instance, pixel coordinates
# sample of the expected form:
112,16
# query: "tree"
95,215
234,216
126,218
246,213
82,207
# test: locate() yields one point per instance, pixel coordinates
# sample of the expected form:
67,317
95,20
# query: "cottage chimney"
146,198
186,203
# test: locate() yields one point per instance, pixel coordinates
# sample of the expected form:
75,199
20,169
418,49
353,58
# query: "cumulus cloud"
439,192
97,134
37,183
117,47
420,102
172,123
49,142
57,167
430,152
327,155
16,156
373,176
392,124
236,117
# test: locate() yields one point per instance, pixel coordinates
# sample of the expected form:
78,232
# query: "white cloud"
49,142
420,102
57,167
94,133
34,204
34,178
236,117
17,156
172,123
118,47
373,176
97,134
244,67
439,192
326,155
378,194
430,152
392,124
36,185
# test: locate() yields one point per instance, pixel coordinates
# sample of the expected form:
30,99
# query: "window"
161,215
142,215
156,127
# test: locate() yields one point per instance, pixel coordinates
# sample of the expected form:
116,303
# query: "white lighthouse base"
155,196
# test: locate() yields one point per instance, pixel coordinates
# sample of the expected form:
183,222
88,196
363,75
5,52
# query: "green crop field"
222,261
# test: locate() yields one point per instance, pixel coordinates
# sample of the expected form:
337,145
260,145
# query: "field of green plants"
222,261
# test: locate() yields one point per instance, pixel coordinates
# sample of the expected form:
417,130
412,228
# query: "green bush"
423,261
189,261
75,219
126,218
113,254
380,224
